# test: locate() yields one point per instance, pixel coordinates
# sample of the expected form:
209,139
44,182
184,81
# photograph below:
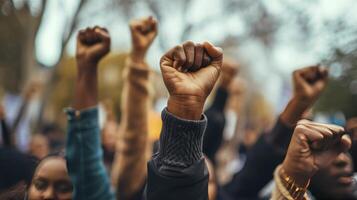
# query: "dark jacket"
216,122
178,171
262,159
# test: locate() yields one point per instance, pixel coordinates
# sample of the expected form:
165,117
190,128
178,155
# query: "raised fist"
143,32
230,69
313,146
309,82
190,72
92,45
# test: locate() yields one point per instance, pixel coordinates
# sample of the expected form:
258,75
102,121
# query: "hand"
309,82
229,71
313,146
92,45
190,72
143,32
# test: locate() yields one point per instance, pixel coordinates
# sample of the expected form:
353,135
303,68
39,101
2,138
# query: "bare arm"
129,169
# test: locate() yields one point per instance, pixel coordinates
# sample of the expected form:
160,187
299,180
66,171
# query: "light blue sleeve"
84,156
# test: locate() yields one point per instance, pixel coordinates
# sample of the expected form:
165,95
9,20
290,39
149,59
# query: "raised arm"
83,149
270,149
129,169
313,146
215,113
178,170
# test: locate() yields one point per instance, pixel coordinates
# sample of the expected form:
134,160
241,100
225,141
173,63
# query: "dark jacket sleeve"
216,122
178,170
262,159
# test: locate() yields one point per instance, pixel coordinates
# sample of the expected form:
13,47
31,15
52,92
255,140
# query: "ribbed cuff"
180,141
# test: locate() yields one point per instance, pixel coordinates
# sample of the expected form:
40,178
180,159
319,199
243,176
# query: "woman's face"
51,181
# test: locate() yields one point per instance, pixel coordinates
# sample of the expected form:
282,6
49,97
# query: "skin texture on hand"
143,32
312,147
92,45
309,83
190,72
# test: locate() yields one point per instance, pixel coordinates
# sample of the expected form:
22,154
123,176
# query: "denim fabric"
84,156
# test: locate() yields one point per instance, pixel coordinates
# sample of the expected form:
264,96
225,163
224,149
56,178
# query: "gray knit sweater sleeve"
180,143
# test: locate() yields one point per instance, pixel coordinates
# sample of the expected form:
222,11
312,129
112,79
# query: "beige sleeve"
280,192
129,167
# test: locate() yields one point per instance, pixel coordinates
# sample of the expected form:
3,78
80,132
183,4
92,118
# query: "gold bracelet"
295,191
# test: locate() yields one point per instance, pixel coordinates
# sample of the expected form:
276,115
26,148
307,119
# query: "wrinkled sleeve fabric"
178,171
84,156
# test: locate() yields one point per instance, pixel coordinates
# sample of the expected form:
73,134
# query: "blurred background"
270,39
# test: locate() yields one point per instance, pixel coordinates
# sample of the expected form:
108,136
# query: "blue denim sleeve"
84,156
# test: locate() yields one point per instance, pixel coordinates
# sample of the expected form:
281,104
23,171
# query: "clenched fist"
143,32
229,71
313,146
309,82
190,72
92,45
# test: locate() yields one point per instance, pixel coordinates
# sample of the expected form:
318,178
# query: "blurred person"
178,170
133,150
270,149
18,109
83,148
39,146
55,136
5,132
335,181
16,169
108,133
213,136
313,148
51,180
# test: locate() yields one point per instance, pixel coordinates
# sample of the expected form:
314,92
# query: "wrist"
138,55
299,177
190,108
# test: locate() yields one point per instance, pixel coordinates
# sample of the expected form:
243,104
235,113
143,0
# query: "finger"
346,143
179,57
197,63
322,129
102,35
215,53
81,36
323,72
311,134
206,59
189,48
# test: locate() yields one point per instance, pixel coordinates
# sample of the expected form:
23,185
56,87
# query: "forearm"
84,156
178,171
86,89
293,112
131,147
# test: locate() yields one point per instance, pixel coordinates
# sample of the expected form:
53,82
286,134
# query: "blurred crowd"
193,131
